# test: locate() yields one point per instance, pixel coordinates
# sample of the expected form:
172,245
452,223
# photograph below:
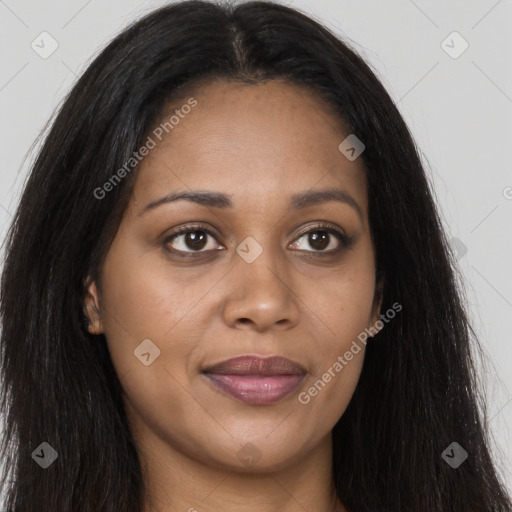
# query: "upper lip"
256,365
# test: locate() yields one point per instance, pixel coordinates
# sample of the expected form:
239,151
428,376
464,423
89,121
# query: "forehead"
259,143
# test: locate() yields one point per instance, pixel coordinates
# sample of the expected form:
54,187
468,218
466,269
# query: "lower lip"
256,389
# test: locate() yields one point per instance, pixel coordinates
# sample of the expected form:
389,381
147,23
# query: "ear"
377,303
92,307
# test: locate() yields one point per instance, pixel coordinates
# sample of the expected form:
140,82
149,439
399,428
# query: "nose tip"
258,296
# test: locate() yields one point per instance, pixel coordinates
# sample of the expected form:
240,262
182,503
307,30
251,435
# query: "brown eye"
191,239
323,239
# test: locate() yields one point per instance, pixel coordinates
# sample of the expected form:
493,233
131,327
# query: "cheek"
328,393
142,300
338,362
344,306
342,302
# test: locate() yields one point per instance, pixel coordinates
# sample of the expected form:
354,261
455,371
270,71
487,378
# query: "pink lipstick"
256,380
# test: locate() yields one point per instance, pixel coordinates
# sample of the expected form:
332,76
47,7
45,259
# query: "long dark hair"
417,392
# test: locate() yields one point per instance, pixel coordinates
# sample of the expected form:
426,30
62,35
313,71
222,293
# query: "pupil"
318,242
195,242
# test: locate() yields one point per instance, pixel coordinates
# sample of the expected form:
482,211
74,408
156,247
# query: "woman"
227,288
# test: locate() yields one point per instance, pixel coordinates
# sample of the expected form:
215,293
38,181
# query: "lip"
254,379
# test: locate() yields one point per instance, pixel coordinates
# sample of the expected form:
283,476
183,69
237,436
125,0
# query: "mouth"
256,380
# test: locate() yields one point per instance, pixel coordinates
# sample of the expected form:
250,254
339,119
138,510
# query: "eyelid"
322,225
186,229
344,239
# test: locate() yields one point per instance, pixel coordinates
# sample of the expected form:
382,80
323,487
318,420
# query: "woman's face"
272,279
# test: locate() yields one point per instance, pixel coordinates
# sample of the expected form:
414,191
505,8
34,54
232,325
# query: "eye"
323,238
191,239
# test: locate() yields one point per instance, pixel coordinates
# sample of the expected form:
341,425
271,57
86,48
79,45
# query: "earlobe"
92,307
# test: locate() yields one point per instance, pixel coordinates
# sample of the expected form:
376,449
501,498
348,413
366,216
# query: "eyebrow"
220,200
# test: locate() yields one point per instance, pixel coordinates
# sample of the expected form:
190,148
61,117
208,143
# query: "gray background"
458,109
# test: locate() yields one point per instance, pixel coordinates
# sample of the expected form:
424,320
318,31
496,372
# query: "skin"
260,144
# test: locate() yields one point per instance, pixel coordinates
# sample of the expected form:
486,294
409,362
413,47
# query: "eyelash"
346,241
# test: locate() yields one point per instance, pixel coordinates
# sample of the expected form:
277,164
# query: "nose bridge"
260,291
259,261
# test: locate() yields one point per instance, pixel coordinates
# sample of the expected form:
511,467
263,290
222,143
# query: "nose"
260,295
